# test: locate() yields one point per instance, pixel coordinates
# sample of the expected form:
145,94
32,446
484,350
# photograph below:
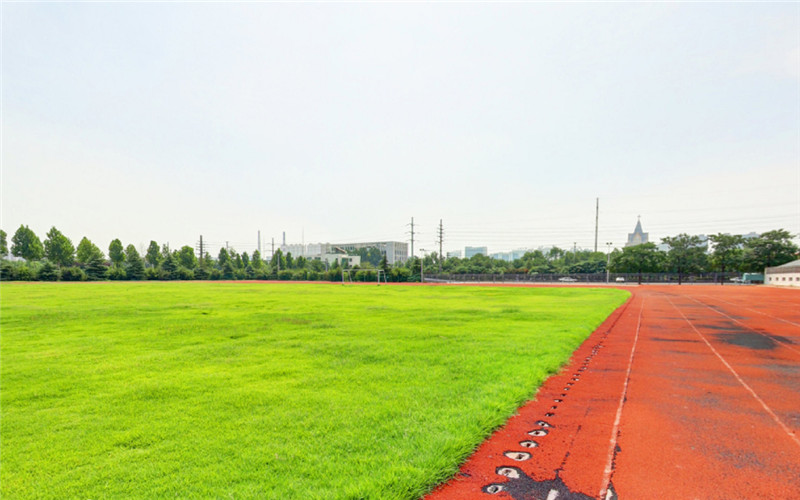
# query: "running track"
689,392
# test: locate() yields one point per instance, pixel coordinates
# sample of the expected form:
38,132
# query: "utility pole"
441,234
412,237
201,249
259,242
596,222
608,260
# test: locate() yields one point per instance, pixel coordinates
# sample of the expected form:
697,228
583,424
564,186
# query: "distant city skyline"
339,122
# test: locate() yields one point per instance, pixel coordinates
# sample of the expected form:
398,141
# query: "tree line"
58,259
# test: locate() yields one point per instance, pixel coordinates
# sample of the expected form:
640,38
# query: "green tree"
3,244
86,250
245,259
58,248
134,266
255,260
278,262
644,258
116,253
169,266
289,261
186,257
223,258
727,253
153,255
26,244
91,259
687,254
772,248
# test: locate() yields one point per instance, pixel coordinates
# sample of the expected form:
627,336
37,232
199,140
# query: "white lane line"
785,343
612,446
783,426
756,311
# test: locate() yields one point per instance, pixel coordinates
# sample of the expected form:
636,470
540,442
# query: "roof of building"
789,267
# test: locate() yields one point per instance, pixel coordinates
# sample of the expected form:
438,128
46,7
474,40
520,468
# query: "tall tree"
58,248
169,266
134,266
278,262
86,250
26,244
772,248
256,261
727,253
3,244
153,256
644,258
687,254
116,253
91,259
223,258
186,257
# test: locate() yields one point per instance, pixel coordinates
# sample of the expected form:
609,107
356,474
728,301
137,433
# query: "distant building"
470,252
785,275
396,251
637,237
456,254
506,256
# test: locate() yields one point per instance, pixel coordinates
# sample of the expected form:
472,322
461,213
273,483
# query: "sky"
337,122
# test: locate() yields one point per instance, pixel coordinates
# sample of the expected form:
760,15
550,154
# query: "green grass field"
216,390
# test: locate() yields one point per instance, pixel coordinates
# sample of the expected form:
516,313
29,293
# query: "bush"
151,273
183,273
73,274
26,272
201,273
216,274
7,271
48,272
284,275
116,273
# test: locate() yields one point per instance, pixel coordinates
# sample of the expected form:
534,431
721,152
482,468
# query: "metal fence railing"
583,278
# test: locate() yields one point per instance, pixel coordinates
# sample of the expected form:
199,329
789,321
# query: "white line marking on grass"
744,384
615,429
756,311
783,342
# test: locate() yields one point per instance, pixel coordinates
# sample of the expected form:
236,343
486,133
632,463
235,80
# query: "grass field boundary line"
757,311
775,417
609,468
776,338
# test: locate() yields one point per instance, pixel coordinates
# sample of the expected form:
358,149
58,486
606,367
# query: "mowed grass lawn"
235,390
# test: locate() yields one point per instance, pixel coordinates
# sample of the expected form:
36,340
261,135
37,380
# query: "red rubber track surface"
684,392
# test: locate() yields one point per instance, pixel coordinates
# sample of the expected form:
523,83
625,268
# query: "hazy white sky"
166,121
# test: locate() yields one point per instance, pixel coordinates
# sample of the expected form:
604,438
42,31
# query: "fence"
583,278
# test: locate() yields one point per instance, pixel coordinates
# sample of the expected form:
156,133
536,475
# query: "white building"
456,254
785,275
396,251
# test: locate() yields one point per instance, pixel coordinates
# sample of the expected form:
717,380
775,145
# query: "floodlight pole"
608,260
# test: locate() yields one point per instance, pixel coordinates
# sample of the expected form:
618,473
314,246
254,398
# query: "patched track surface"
683,392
